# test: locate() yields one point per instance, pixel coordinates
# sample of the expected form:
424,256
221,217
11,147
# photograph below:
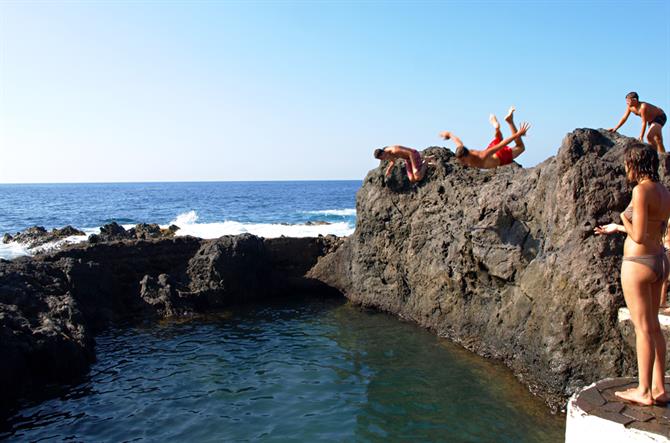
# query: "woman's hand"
611,228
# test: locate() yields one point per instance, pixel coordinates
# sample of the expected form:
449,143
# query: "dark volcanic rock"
37,236
53,304
143,231
504,262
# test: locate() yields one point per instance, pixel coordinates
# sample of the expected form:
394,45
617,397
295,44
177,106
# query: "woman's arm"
637,230
611,228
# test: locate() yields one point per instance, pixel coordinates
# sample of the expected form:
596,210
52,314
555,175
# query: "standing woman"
644,268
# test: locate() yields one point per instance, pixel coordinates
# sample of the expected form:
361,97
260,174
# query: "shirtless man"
497,153
651,115
416,168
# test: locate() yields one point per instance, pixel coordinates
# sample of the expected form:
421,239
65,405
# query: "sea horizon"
180,181
293,208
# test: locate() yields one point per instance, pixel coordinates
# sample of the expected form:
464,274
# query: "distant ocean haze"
201,209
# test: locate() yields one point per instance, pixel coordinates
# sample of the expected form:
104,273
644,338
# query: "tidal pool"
299,370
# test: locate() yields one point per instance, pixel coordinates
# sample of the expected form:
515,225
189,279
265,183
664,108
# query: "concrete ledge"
595,414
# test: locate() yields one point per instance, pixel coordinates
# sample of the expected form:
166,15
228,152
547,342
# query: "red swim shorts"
505,156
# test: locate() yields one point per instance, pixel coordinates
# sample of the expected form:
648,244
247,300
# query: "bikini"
658,263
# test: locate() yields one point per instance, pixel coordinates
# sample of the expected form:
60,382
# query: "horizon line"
175,181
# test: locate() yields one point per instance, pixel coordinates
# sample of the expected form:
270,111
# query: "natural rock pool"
300,370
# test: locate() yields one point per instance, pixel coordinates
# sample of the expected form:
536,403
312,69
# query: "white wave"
188,226
339,212
267,230
187,218
14,249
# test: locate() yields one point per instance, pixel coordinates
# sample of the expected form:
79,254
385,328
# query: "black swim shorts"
660,119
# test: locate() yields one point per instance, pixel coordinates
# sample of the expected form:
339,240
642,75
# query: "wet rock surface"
113,231
503,261
52,305
36,236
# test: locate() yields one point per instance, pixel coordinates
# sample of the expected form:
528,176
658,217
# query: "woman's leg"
636,281
658,373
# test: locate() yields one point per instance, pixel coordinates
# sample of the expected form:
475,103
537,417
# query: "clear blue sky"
169,91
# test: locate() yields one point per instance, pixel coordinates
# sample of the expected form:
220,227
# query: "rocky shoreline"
52,305
503,262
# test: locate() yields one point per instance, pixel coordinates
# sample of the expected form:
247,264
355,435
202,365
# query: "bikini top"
628,213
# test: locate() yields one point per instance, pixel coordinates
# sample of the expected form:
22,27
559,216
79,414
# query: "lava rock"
503,261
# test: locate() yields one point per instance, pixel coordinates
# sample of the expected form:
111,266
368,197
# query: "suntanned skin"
651,203
647,112
485,159
395,152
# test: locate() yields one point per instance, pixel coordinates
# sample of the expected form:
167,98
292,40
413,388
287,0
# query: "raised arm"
520,133
622,121
449,135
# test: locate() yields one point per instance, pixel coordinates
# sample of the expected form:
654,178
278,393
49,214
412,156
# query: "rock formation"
143,231
36,236
52,305
504,261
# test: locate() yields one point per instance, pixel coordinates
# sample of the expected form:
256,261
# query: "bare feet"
634,396
494,121
510,114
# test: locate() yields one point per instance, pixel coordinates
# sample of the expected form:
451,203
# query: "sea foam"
188,225
349,212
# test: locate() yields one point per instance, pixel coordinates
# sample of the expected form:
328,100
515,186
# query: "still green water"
302,370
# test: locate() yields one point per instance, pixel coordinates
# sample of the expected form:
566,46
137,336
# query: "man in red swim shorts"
497,153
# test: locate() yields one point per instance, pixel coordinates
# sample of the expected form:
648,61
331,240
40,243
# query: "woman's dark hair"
378,153
642,162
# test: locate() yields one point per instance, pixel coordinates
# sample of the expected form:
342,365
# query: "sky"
134,91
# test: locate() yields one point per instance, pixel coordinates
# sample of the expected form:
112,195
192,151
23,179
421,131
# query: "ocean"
201,209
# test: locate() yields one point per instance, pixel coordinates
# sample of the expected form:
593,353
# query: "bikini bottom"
658,263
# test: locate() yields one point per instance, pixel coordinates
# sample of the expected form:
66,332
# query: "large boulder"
503,261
